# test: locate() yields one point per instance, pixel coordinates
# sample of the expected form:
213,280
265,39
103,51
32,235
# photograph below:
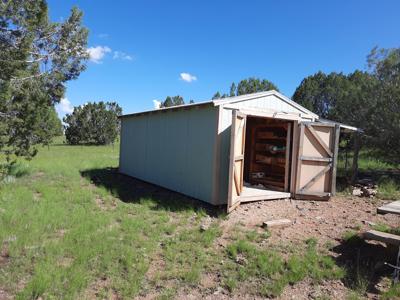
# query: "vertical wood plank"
295,157
287,154
335,146
300,153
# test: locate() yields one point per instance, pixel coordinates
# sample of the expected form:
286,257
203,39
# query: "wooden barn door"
236,159
316,161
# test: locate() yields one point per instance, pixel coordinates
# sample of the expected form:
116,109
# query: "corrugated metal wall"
174,149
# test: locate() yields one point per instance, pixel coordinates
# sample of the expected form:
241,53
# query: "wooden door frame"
237,182
293,121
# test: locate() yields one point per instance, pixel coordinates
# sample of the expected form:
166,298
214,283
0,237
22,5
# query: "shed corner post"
335,137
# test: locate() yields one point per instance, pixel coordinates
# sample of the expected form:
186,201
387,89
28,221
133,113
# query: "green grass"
65,236
71,227
368,160
372,165
352,238
268,273
386,228
392,293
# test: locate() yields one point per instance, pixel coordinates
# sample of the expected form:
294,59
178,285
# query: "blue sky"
143,47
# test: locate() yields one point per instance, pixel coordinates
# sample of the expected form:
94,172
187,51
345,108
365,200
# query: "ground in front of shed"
72,227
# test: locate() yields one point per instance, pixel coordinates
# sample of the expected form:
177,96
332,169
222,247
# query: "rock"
219,290
205,223
369,192
369,223
277,223
241,260
357,192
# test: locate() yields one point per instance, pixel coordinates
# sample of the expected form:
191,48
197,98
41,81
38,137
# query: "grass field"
371,165
71,227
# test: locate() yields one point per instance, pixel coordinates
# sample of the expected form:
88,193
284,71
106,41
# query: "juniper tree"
37,58
93,123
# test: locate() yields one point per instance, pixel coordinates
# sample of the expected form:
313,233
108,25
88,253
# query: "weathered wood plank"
391,208
383,237
277,223
310,158
287,159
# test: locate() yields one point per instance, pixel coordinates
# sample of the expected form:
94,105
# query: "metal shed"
252,147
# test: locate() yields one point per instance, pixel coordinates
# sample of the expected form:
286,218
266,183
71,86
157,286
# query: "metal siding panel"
200,160
174,149
131,152
154,158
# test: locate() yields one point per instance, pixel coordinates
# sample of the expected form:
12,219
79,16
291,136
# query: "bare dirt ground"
325,221
322,220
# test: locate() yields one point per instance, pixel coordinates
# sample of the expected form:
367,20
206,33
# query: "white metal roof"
230,100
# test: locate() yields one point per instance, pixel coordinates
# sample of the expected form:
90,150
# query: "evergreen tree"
173,101
93,123
217,95
247,86
232,91
37,58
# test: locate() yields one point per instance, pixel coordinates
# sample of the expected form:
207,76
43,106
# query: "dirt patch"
326,222
65,262
38,175
100,289
322,220
4,254
37,196
4,295
333,289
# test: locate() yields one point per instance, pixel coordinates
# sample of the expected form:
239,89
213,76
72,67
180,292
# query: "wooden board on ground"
277,223
383,237
390,208
255,194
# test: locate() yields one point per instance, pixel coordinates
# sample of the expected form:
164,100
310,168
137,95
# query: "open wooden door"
236,159
316,160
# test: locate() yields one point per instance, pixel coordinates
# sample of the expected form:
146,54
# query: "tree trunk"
357,146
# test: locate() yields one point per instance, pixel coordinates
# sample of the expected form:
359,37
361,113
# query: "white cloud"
156,103
187,77
96,54
122,55
64,107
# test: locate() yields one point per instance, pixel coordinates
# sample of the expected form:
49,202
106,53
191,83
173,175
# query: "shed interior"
267,157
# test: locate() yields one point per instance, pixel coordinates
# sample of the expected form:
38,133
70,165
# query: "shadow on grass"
364,263
132,190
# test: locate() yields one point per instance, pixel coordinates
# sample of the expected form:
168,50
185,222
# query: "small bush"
10,171
19,169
